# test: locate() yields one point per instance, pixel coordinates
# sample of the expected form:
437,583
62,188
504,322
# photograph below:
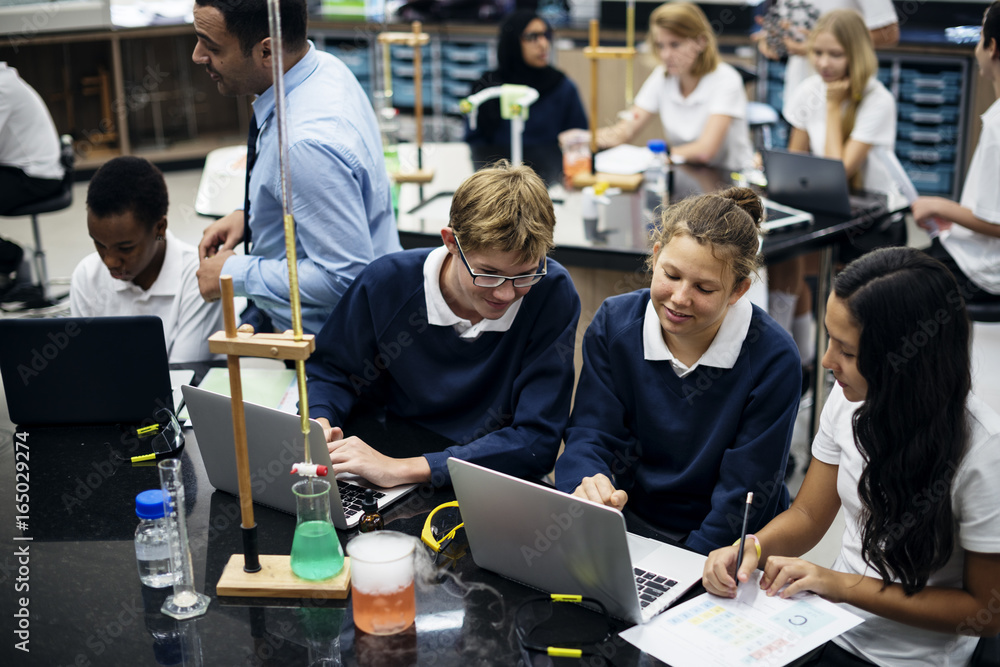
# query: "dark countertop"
87,606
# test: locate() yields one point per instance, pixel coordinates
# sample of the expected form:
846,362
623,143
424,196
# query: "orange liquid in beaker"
384,613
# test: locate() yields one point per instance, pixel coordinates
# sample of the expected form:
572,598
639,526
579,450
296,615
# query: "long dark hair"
912,428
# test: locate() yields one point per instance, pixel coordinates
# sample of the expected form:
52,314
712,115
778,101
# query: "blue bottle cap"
149,504
657,145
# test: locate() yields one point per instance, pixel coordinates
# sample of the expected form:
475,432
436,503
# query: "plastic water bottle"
654,182
152,541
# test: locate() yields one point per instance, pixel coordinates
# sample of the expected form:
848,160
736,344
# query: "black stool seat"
984,312
62,200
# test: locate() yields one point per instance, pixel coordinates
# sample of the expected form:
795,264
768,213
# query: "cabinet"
933,99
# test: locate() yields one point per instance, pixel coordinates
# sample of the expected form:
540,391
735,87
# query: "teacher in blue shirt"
340,188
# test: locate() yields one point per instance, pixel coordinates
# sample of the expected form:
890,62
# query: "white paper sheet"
753,629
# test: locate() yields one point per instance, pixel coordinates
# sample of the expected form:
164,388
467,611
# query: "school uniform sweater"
686,449
502,397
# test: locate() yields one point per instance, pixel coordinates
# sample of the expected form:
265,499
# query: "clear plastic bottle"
372,520
654,182
152,541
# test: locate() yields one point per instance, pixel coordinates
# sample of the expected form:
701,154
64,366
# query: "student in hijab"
523,58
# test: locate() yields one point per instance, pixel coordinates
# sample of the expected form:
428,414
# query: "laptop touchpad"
639,547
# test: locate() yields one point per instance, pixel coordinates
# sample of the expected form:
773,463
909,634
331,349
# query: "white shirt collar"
722,353
169,277
440,314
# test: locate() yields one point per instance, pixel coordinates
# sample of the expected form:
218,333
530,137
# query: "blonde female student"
969,243
841,112
700,99
688,392
914,460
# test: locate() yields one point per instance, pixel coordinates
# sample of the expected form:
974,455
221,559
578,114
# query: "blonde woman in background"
841,112
701,100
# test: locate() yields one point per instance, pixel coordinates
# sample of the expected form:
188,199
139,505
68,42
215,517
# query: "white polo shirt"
978,255
874,124
722,353
720,92
28,137
876,13
440,314
174,297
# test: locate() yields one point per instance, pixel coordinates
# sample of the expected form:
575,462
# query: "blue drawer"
929,79
403,52
474,54
406,68
928,114
948,94
357,60
930,179
926,134
457,89
927,153
404,94
885,75
463,72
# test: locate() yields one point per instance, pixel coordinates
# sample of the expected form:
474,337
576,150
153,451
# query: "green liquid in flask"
316,552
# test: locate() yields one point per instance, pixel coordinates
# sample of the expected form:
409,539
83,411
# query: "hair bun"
748,200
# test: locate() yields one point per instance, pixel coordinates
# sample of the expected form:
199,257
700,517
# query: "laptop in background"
274,443
816,184
76,370
559,543
778,217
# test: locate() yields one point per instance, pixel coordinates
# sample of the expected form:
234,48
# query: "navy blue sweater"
504,397
558,110
688,449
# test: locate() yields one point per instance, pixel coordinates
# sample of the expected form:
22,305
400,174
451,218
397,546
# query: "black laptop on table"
70,370
818,185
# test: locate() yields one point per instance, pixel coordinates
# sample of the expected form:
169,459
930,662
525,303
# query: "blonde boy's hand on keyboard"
599,489
355,456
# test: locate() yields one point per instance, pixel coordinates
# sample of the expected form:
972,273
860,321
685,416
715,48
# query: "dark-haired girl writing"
914,460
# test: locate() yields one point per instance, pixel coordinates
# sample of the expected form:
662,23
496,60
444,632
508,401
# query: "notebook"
74,370
274,443
559,543
816,184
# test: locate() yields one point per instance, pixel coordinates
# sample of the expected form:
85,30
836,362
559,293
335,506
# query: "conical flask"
316,550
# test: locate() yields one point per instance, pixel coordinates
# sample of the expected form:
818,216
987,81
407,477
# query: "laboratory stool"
762,118
984,312
36,295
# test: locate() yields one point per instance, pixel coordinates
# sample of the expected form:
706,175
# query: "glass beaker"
316,551
382,581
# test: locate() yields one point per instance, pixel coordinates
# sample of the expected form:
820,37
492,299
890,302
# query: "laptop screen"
100,370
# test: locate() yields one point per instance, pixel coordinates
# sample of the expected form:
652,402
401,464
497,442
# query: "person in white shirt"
701,100
840,112
969,241
140,268
790,35
914,460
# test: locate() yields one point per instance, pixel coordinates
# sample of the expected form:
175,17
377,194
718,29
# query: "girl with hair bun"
914,460
688,392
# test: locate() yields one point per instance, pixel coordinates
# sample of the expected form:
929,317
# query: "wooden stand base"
276,580
418,176
627,182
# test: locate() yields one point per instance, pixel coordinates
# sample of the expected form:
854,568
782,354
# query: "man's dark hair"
247,21
128,184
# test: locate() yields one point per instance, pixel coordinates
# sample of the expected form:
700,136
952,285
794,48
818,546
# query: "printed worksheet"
752,630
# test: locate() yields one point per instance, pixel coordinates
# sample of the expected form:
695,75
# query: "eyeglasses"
167,437
487,280
548,625
532,37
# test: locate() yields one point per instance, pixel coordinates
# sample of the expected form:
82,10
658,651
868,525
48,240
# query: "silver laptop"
274,443
779,218
816,184
559,543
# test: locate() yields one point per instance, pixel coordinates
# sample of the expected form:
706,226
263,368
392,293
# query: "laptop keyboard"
651,586
351,496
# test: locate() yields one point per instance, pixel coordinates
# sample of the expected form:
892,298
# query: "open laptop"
778,217
563,544
75,370
816,184
274,443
